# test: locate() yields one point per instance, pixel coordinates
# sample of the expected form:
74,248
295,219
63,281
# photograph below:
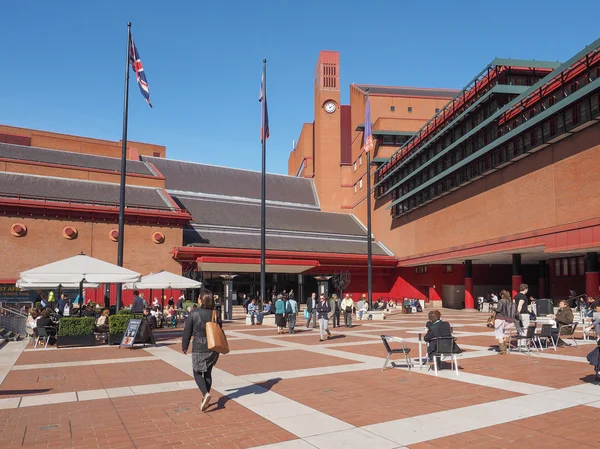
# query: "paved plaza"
293,392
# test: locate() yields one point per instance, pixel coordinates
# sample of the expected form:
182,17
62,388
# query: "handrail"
13,311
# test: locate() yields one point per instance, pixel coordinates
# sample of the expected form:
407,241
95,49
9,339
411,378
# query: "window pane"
565,267
556,267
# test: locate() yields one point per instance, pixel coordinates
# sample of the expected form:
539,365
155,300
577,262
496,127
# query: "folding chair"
528,339
569,332
43,335
402,350
546,334
445,347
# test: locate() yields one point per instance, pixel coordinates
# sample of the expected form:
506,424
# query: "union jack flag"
368,134
138,68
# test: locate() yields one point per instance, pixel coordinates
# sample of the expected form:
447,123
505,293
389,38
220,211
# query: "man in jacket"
138,303
563,317
291,310
436,328
336,309
347,307
311,306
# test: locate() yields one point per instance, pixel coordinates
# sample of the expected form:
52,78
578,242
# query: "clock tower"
327,140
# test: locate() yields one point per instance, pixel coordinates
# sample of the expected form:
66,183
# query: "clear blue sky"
63,62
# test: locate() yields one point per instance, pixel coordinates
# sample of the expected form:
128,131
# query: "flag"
264,125
368,134
138,68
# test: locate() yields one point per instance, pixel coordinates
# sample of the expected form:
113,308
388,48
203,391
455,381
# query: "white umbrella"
77,269
29,286
164,280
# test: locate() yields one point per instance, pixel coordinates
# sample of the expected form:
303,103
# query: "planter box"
115,339
75,340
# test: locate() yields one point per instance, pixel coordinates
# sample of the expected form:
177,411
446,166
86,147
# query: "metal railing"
13,320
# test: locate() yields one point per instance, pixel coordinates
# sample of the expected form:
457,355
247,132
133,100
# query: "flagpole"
369,249
121,238
263,191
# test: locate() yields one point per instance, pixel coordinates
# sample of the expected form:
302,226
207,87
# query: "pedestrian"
348,308
311,307
203,359
506,317
138,302
522,302
336,309
322,311
291,310
280,314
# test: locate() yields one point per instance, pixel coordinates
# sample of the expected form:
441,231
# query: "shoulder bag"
215,337
491,319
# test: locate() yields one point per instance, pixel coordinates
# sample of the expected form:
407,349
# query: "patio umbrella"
163,280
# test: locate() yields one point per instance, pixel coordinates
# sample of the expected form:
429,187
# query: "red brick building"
495,187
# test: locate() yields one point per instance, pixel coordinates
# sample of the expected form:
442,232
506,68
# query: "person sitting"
595,325
155,303
148,316
254,311
268,308
89,312
436,328
563,317
378,305
45,321
102,321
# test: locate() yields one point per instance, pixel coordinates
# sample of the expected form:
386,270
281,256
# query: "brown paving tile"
478,340
266,362
530,369
163,420
78,355
313,338
569,428
473,329
398,395
394,333
237,345
92,377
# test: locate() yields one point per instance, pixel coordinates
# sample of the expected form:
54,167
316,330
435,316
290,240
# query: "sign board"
11,294
130,333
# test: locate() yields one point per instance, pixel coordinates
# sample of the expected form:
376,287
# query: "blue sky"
63,62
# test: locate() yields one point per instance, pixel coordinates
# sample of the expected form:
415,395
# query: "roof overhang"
252,265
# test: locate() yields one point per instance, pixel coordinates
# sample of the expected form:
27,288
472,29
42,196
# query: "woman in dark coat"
203,359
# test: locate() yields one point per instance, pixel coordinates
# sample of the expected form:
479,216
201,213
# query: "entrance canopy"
77,269
252,265
29,286
164,279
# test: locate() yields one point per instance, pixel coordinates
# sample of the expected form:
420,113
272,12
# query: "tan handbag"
215,337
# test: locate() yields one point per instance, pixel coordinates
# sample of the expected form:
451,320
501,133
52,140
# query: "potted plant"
117,324
77,331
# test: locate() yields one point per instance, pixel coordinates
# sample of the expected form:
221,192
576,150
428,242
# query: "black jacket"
507,311
309,302
323,309
195,325
435,330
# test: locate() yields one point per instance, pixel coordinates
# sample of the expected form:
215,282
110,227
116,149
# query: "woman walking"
323,309
280,314
203,359
506,316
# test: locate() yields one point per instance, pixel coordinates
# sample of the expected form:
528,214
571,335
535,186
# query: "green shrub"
38,305
69,326
187,304
124,312
118,323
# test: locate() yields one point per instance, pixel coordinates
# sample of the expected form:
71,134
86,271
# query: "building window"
573,266
565,267
581,263
410,109
360,160
448,268
556,267
388,140
392,108
421,269
355,166
360,184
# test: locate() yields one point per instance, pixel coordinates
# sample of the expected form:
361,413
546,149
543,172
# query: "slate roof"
210,179
214,239
223,213
410,91
76,190
25,153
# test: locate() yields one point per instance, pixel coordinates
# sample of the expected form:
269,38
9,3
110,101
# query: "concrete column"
228,298
469,300
591,274
542,280
517,279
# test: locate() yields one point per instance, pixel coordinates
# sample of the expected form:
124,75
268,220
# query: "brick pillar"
516,274
542,280
591,274
469,300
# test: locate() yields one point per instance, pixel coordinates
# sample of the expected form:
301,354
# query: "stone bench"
377,315
268,320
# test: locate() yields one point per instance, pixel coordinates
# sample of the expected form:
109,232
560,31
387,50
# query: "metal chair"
445,347
43,335
569,332
402,350
546,334
528,339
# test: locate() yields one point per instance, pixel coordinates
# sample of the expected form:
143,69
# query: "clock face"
330,107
